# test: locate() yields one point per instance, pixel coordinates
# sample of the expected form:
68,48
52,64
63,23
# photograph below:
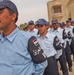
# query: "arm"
40,68
35,51
57,44
38,56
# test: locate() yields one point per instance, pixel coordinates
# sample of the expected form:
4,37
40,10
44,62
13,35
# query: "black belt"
50,58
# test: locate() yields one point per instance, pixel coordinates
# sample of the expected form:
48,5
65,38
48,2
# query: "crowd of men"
44,32
36,50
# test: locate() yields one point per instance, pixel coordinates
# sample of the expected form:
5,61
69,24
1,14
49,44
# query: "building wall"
70,9
67,10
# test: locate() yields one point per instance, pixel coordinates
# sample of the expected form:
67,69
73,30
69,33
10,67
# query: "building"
61,10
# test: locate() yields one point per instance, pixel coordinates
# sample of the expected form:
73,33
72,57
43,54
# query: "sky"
31,10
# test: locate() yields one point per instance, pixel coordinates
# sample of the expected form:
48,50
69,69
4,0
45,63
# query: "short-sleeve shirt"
46,44
14,56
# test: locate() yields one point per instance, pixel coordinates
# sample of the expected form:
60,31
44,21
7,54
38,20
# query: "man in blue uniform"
70,34
72,23
57,31
62,25
32,30
46,41
72,43
14,56
67,46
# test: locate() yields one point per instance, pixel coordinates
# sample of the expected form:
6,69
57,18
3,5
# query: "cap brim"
2,6
54,23
39,24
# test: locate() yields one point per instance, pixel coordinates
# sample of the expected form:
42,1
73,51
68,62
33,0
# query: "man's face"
63,27
42,29
72,24
31,27
55,26
68,24
5,18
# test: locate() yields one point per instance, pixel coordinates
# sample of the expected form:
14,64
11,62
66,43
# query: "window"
69,18
57,9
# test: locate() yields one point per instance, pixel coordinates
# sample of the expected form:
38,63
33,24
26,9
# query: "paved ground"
70,73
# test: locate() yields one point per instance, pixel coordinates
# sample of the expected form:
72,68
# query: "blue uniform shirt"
46,44
14,56
70,29
58,33
34,32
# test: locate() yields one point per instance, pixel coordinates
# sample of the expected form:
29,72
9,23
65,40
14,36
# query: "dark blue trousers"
62,61
68,55
72,46
52,68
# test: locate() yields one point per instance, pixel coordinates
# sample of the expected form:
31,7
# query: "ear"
13,16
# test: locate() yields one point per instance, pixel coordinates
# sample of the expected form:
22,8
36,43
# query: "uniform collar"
11,36
57,29
69,27
46,36
32,31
